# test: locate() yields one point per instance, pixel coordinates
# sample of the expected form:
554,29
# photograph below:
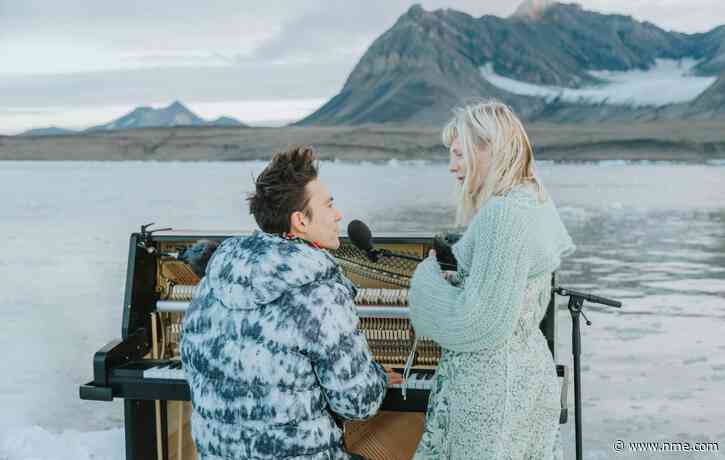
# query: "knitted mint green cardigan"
512,238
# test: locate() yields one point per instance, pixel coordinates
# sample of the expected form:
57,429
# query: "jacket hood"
251,271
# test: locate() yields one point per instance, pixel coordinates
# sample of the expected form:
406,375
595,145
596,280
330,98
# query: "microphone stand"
576,304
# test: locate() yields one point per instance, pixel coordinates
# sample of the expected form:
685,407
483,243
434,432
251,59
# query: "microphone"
362,238
360,235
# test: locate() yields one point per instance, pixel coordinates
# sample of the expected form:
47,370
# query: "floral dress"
505,404
495,393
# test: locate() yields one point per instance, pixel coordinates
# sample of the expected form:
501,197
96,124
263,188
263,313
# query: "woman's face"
457,165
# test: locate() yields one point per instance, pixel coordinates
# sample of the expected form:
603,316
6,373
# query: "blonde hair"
494,128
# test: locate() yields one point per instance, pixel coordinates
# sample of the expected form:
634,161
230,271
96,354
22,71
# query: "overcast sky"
110,53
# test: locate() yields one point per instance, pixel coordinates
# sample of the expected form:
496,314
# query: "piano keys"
166,370
417,381
171,370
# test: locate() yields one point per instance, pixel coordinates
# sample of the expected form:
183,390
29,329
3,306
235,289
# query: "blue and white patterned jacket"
269,346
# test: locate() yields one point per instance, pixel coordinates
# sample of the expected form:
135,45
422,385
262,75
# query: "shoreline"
668,141
716,162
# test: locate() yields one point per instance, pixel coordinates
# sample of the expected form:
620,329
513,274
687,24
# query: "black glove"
442,243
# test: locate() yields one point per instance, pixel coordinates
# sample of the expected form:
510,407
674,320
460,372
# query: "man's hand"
393,377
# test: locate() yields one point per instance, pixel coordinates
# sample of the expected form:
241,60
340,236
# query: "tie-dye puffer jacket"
269,346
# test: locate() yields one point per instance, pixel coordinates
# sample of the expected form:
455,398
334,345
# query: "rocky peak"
713,99
177,107
532,9
414,12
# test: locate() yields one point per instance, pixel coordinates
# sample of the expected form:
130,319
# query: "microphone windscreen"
360,235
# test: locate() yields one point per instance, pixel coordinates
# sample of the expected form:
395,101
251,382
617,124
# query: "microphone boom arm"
388,253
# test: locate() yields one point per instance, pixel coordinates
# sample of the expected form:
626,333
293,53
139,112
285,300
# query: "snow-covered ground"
36,443
649,235
668,82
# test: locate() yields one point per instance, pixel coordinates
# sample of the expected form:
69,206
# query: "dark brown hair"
280,188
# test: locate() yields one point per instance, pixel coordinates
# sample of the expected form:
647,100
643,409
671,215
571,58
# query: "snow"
668,82
532,8
36,443
182,119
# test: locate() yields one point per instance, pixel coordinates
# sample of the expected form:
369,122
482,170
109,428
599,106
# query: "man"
270,345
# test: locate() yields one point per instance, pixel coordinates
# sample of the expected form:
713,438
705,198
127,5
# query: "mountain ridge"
430,61
175,114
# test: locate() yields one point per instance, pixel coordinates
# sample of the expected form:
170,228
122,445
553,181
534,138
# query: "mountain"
710,103
415,71
532,9
713,50
428,62
50,131
176,114
225,121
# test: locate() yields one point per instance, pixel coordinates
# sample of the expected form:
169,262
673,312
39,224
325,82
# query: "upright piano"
143,366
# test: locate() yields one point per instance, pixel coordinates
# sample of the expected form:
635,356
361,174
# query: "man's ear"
298,223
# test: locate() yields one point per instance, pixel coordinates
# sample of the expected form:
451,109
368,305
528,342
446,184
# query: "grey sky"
84,53
50,36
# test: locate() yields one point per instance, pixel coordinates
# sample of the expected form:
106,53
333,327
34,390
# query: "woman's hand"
447,275
393,377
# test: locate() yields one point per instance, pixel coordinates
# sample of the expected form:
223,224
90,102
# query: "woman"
496,394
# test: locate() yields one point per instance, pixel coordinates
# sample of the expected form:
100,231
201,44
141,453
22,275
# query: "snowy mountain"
545,53
176,114
532,9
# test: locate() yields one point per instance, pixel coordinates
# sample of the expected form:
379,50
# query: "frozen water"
653,370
